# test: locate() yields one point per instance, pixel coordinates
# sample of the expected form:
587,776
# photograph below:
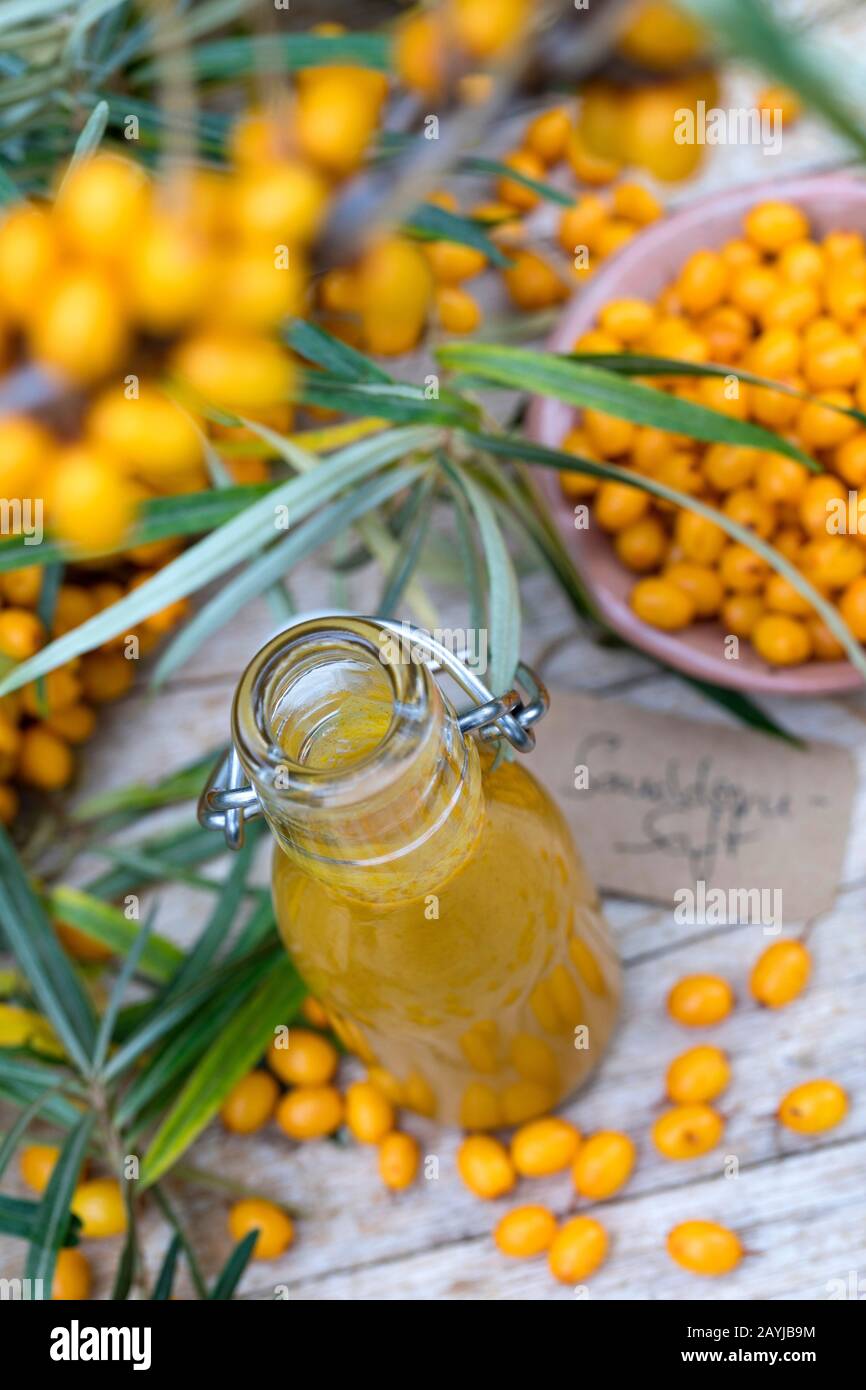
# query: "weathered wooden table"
799,1204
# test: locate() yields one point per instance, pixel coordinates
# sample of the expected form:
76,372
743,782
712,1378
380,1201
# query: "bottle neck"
357,758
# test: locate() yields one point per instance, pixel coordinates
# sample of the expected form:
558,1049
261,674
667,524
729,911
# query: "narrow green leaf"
277,54
171,1217
161,1020
159,957
19,1217
549,374
159,518
476,164
743,709
137,797
177,849
274,563
221,920
32,940
165,1279
237,1049
13,1137
436,223
315,344
232,543
232,1271
90,137
118,993
503,593
52,1222
412,538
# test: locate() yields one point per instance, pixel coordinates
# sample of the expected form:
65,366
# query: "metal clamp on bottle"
228,801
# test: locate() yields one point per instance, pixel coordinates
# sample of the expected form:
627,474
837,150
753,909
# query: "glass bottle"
428,891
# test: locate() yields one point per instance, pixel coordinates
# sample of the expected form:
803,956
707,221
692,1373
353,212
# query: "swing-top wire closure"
228,801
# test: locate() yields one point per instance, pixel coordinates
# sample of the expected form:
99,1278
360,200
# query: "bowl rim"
543,426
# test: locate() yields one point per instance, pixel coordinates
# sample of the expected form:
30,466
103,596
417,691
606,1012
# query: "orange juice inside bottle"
428,890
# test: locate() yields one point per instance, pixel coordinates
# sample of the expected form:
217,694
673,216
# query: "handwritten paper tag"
659,804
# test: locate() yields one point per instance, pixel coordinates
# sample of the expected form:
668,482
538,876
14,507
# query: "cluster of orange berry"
789,308
602,1163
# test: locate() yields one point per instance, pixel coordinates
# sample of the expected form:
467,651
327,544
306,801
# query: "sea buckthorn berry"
72,1277
780,973
581,225
278,201
485,1167
821,496
698,538
310,1112
781,640
627,319
741,569
36,1163
836,363
457,311
546,134
700,1000
825,645
781,103
819,332
779,478
589,167
662,604
636,203
777,409
517,194
651,446
702,1247
781,596
687,1131
775,353
773,225
702,282
9,804
842,247
845,295
544,1146
726,331
674,337
813,1107
106,676
74,725
740,612
852,606
399,1157
823,426
679,471
832,563
802,262
419,52
753,287
532,282
91,505
749,509
307,1060
451,262
849,459
250,1104
21,633
369,1114
610,436
99,1206
603,1164
792,306
701,583
315,1012
524,1099
275,1227
60,688
78,326
618,505
698,1075
642,545
729,466
739,253
578,1248
718,393
101,206
525,1231
25,451
242,372
44,760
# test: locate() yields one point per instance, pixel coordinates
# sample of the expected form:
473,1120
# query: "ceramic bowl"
642,269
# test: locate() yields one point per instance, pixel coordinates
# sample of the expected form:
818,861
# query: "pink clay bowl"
641,270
